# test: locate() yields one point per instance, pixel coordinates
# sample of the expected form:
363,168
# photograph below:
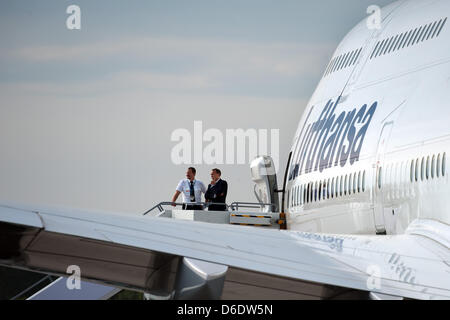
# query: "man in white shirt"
192,191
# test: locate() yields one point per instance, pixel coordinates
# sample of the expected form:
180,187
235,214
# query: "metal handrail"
234,206
169,203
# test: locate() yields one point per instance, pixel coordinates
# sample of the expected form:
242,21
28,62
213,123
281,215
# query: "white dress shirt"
185,188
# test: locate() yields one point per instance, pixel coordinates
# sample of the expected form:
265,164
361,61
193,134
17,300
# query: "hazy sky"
86,116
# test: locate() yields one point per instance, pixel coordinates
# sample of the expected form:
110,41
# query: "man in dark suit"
217,191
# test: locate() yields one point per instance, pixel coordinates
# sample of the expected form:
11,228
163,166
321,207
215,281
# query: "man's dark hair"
193,170
217,171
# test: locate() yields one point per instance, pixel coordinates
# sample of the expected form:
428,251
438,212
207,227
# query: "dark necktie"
192,192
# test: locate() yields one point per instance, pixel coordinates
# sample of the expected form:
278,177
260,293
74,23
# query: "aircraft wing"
142,252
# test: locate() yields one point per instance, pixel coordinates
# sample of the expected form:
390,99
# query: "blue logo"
332,140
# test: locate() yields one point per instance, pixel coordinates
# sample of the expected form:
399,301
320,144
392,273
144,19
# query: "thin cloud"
217,57
121,81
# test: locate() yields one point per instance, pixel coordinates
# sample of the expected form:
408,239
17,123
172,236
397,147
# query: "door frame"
377,200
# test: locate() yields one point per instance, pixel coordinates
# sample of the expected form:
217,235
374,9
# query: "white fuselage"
372,148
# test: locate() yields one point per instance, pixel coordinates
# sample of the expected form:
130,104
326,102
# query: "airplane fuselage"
371,151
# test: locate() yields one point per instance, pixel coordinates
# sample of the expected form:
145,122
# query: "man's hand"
174,198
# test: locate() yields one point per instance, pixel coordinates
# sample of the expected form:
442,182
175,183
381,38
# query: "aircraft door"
378,205
265,178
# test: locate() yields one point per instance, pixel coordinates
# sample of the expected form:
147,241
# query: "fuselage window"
364,181
315,191
320,190
443,164
412,171
422,169
300,188
337,187
293,197
299,195
346,185
433,166
428,168
304,194
329,189
341,186
353,183
332,188
307,193
324,190
379,177
359,182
